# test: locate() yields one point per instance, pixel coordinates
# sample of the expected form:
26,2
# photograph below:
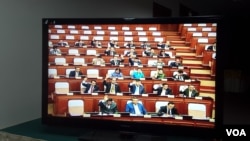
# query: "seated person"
108,106
138,74
180,75
76,73
63,43
190,92
117,73
116,45
152,53
160,45
159,63
134,61
136,87
144,44
111,43
131,52
55,50
111,87
135,107
168,110
212,47
90,87
115,61
110,51
130,44
93,42
167,45
163,89
80,43
176,63
162,53
98,60
98,44
159,74
146,51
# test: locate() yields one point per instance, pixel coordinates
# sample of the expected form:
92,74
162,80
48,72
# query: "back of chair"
62,87
79,61
92,73
91,52
52,72
73,51
60,61
197,110
75,107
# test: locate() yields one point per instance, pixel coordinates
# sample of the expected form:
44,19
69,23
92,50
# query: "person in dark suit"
136,88
62,43
90,87
176,63
134,61
212,47
160,45
162,53
131,53
135,107
115,61
130,44
110,51
111,87
76,73
164,90
80,43
180,75
190,92
108,106
168,110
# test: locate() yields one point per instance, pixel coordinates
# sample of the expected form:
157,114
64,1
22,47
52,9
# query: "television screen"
148,75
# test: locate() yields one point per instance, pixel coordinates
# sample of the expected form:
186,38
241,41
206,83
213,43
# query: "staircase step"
185,54
200,71
206,94
193,62
208,83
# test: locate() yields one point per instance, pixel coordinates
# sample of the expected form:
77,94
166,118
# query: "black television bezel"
149,128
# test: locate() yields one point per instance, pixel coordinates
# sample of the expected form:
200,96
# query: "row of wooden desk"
75,84
91,105
125,70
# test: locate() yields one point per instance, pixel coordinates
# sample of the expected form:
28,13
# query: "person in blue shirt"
135,107
117,73
137,74
136,88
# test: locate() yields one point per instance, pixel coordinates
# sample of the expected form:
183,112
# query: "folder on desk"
124,113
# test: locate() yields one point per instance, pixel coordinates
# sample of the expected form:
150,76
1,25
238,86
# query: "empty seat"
52,72
91,52
73,52
61,87
79,61
75,107
60,61
92,73
197,110
152,62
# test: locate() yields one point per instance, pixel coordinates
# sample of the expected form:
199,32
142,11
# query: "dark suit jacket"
168,91
130,108
87,85
109,52
164,110
133,88
112,62
194,93
111,110
61,44
79,45
185,77
108,86
131,62
166,55
174,64
73,73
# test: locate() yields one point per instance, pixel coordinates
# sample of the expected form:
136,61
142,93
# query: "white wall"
21,46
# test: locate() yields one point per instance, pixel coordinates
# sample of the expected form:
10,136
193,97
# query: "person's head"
167,42
160,60
137,82
77,69
162,52
180,72
191,87
117,70
112,49
55,47
134,100
165,85
160,71
93,82
113,80
132,50
170,105
109,101
106,97
137,59
139,70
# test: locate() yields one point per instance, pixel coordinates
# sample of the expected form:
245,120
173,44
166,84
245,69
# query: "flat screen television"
87,44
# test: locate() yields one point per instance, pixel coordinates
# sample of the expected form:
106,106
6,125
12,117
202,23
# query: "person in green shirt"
159,74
